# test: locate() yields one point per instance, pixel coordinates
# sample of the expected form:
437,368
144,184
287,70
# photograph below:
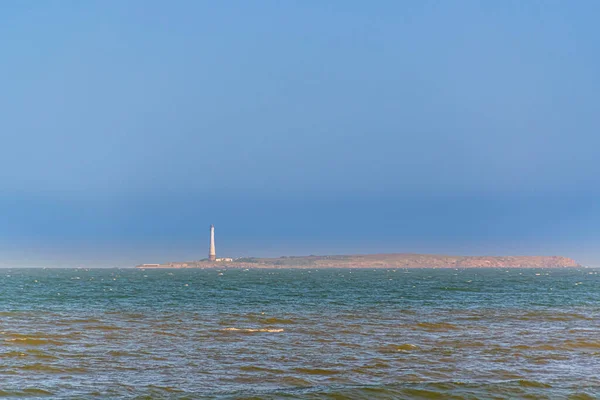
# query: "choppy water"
362,334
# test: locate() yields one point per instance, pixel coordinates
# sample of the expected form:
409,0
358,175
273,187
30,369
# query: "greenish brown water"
364,334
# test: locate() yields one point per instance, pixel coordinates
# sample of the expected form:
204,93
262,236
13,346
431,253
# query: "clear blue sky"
297,127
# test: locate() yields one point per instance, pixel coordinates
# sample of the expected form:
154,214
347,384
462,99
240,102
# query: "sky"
297,127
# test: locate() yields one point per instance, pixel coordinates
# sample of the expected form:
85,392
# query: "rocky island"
378,261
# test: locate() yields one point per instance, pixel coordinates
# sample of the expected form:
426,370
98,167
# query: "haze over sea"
269,334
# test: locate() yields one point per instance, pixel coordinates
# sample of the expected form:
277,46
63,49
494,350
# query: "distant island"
378,261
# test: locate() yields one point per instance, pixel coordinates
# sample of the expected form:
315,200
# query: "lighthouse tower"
212,254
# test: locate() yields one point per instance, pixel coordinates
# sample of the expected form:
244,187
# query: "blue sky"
297,127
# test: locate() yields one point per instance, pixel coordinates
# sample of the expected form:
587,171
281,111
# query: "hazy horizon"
297,128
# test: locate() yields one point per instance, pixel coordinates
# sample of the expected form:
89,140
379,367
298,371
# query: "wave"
26,393
404,347
32,341
316,371
251,330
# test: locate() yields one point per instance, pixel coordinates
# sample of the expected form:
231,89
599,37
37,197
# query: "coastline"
375,261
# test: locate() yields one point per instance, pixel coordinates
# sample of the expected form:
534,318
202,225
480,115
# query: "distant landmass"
379,261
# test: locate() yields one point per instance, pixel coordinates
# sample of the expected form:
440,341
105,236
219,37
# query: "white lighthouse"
212,254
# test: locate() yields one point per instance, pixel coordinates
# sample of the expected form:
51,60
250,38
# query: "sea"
300,333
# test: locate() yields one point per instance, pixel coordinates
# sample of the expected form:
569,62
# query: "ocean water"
296,334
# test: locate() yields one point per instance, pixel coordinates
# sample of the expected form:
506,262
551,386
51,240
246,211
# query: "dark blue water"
420,333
